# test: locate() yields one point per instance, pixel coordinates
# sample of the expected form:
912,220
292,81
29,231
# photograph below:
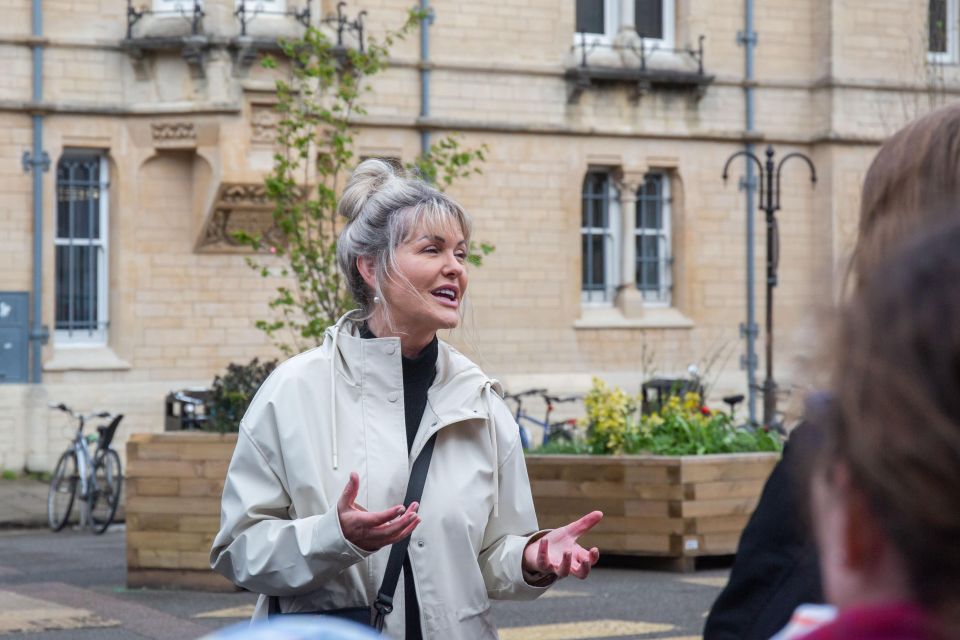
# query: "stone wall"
833,79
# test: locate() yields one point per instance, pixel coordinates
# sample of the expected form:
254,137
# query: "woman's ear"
367,271
864,539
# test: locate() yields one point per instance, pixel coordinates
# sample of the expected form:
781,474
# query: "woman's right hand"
372,531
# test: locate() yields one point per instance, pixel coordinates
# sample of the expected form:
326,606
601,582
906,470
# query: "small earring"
376,299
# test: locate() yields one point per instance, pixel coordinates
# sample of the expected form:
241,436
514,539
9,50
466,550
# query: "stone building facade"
163,134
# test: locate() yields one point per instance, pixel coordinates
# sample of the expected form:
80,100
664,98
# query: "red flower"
705,411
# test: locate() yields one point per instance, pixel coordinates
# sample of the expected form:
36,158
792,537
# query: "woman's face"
433,264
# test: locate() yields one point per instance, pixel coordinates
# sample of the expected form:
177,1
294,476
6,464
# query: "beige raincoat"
279,530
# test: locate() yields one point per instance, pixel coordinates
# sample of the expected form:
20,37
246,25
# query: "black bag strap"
418,478
384,602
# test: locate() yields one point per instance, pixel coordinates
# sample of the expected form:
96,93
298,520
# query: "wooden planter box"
174,483
677,507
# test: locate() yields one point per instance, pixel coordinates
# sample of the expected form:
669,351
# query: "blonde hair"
383,207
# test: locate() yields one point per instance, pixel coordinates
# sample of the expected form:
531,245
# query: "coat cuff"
328,535
540,581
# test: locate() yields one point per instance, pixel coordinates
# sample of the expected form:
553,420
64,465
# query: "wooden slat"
726,468
635,543
140,468
169,540
189,506
140,486
614,507
594,489
203,524
192,438
732,506
207,451
179,579
715,524
157,451
191,487
153,521
621,524
721,490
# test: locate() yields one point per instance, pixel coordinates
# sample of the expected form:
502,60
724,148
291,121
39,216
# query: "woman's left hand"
558,552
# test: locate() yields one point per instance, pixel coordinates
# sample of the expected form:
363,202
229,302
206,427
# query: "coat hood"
460,391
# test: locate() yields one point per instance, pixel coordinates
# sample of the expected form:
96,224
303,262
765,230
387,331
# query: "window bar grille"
343,24
245,17
195,18
596,220
91,275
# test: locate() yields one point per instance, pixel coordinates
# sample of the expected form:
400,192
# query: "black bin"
186,409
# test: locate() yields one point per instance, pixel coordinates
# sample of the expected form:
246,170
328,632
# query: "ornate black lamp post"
769,174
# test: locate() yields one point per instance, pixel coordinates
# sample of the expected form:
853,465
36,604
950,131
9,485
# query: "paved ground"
71,585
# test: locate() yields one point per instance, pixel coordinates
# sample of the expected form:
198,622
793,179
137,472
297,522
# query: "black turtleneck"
418,375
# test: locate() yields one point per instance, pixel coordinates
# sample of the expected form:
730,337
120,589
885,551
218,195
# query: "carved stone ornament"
263,122
239,207
167,134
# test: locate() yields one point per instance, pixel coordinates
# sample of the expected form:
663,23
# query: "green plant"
318,103
9,474
682,426
231,393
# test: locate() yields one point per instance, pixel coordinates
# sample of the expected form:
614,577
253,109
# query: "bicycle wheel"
108,482
63,490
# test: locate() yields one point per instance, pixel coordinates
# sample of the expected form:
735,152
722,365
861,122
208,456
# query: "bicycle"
96,479
561,429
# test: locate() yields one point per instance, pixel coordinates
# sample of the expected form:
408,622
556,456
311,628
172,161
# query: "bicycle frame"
520,417
85,479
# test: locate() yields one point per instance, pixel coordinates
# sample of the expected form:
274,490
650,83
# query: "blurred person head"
403,250
913,181
294,627
885,492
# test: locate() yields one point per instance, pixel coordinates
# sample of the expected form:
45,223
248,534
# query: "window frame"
279,9
611,25
87,337
667,25
663,296
611,242
952,54
612,12
168,6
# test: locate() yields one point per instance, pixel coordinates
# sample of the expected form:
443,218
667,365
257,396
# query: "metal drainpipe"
37,162
425,74
748,38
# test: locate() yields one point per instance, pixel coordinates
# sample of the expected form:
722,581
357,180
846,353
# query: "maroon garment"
890,621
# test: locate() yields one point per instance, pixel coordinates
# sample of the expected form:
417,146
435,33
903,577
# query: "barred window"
652,231
600,224
600,20
943,23
81,248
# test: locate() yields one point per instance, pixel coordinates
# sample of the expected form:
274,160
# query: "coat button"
393,396
391,349
420,543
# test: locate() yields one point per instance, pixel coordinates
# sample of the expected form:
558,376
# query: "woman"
885,497
312,500
913,173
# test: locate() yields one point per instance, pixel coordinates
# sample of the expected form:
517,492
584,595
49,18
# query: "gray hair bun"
368,178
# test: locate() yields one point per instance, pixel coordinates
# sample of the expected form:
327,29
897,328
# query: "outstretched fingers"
563,570
543,556
349,493
579,527
582,563
378,519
